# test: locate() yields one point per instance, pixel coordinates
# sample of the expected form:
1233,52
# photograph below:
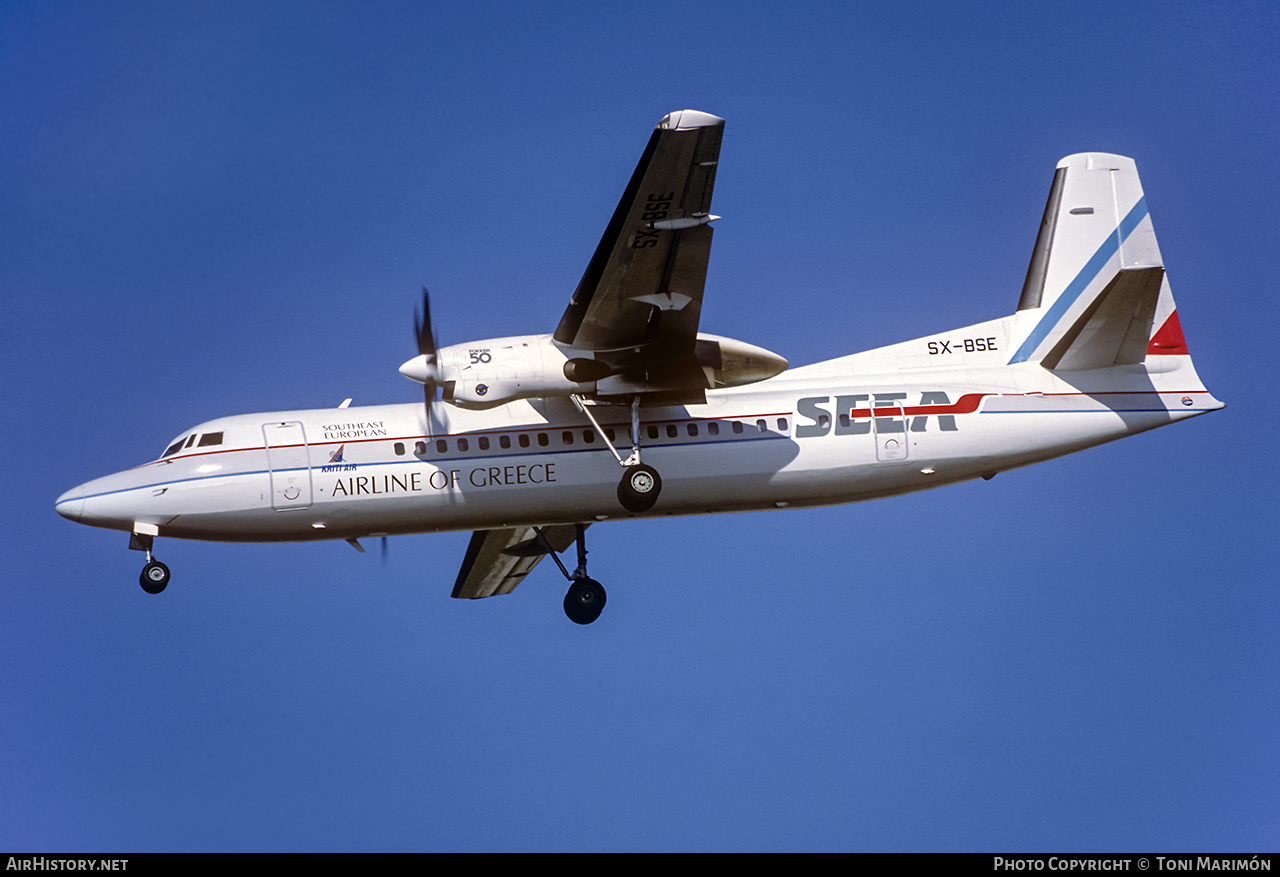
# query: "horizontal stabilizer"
1116,326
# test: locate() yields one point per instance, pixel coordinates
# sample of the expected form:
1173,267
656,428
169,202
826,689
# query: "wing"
498,560
643,286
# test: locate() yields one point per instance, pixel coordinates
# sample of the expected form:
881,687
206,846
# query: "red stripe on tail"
1168,341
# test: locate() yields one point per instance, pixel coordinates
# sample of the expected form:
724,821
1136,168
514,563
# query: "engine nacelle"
733,363
484,374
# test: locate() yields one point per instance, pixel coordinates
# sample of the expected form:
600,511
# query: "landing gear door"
890,424
289,464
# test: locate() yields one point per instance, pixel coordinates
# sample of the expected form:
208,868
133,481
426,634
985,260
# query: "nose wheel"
155,577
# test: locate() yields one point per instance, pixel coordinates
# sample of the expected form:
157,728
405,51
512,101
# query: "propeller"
424,368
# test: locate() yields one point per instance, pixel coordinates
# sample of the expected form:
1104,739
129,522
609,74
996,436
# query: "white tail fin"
1095,294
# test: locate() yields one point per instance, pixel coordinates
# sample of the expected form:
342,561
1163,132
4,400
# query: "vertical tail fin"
1096,293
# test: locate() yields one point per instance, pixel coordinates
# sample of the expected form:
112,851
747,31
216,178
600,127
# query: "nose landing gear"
155,575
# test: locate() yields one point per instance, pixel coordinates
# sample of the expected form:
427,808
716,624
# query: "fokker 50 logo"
855,413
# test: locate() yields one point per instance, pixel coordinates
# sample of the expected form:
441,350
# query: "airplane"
626,409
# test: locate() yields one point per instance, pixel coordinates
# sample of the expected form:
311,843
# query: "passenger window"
588,436
504,441
462,445
608,433
671,430
524,440
653,432
483,441
399,449
566,437
761,425
713,428
442,446
737,427
692,429
419,448
543,439
782,423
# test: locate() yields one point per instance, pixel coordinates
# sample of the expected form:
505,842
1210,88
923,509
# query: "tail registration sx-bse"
627,410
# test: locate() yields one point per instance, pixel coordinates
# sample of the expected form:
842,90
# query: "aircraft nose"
71,504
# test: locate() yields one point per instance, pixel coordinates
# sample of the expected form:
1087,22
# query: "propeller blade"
422,327
425,337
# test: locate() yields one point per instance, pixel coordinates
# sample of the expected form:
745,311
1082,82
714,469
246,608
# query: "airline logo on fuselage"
854,413
336,463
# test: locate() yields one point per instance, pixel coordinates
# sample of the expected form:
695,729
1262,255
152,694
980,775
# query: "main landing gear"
638,490
155,575
640,485
585,599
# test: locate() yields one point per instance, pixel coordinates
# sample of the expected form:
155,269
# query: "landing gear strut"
585,599
155,575
640,485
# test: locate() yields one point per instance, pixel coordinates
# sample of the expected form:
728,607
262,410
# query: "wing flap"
498,560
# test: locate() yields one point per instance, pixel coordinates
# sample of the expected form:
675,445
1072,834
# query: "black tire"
155,577
639,488
585,601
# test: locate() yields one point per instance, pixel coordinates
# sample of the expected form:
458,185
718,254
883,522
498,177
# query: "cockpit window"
177,446
209,438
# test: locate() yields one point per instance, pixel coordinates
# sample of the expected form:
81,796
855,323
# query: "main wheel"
639,488
154,578
584,601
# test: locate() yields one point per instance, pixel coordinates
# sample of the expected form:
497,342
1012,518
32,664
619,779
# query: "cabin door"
889,420
289,464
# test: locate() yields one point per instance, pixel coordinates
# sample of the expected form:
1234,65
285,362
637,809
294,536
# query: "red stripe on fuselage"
966,404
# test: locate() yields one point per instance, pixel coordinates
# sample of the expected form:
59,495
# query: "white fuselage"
851,429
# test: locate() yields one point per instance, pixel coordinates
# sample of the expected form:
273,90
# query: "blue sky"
218,208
